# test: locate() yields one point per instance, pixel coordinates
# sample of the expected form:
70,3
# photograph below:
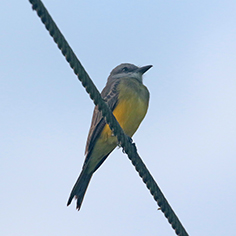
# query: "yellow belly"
131,109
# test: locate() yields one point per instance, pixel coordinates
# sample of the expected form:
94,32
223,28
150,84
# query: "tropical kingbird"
128,99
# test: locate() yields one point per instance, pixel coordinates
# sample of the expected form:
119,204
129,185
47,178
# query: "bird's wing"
110,96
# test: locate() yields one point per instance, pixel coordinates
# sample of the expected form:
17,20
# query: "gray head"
128,70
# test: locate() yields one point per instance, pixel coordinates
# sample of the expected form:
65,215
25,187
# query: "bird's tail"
80,188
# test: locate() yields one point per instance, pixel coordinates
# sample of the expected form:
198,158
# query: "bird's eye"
125,69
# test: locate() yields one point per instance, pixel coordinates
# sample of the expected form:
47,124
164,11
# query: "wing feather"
110,96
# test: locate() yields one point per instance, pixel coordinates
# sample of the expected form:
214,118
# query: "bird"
128,99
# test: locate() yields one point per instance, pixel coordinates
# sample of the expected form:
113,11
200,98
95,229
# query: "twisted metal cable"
123,139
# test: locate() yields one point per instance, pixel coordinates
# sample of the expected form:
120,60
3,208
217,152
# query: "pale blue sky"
187,140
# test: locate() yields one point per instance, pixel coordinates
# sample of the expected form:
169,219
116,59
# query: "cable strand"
124,141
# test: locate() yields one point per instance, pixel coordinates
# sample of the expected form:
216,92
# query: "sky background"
187,140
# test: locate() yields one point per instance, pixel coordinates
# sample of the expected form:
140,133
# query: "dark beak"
143,69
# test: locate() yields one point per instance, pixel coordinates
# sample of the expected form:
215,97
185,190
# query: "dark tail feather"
80,188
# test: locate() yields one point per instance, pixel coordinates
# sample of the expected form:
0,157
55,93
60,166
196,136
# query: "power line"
124,141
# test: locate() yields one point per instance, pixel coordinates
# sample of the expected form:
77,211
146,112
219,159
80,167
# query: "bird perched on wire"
128,99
